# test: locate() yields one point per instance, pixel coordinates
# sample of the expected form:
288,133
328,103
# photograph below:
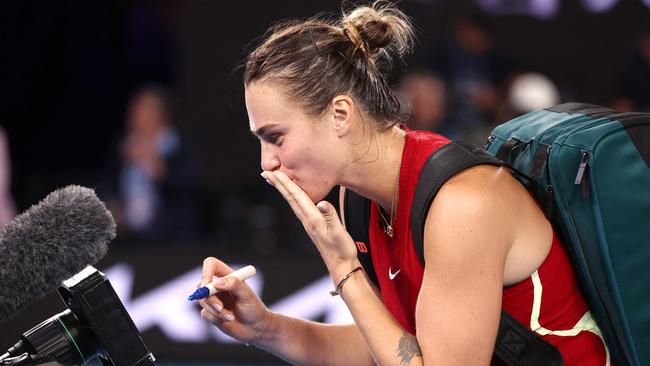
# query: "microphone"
54,244
50,242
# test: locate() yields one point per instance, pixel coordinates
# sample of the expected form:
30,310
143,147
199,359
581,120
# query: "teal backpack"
589,166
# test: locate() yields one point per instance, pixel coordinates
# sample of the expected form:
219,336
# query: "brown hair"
316,59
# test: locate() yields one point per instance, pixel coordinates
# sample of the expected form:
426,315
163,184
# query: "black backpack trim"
357,218
515,344
592,110
635,123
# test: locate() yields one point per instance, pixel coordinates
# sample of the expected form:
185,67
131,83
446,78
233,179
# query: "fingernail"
219,282
217,307
265,176
212,311
229,317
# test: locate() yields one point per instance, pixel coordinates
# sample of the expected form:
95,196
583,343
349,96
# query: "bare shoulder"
474,211
486,211
485,180
483,192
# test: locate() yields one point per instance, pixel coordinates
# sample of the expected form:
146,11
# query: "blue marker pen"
209,290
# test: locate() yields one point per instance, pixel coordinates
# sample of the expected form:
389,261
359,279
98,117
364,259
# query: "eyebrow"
263,130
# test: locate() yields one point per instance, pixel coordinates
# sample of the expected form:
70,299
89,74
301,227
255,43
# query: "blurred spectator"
475,72
150,181
633,84
528,92
425,96
7,208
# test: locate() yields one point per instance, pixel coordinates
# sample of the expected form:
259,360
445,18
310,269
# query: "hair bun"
378,27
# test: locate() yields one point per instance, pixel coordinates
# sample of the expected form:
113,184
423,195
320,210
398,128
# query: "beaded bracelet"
337,290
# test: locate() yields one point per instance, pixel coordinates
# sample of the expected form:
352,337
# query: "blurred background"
143,101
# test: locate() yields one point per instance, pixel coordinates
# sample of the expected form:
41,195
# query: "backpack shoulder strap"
357,217
515,344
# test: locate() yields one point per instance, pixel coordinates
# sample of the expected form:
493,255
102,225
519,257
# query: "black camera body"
95,324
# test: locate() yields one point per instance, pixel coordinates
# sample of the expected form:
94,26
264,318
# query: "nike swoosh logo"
392,275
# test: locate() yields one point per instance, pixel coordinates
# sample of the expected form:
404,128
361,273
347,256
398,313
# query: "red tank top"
561,315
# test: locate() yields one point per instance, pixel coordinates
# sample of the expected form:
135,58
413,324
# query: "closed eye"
273,138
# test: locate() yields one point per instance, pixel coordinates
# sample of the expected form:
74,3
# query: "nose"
269,159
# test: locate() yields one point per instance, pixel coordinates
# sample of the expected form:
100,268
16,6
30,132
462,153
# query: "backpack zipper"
580,176
489,141
582,167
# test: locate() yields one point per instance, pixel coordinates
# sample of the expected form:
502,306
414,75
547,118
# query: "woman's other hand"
322,224
235,309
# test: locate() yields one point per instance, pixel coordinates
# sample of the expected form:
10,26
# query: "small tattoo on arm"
408,348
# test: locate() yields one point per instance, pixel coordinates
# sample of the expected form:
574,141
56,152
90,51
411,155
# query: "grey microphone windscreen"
50,242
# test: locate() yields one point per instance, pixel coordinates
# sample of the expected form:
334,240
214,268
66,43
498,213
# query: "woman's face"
302,146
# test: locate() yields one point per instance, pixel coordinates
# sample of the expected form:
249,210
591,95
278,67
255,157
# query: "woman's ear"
343,110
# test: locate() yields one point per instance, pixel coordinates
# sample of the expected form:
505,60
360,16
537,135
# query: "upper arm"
466,240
